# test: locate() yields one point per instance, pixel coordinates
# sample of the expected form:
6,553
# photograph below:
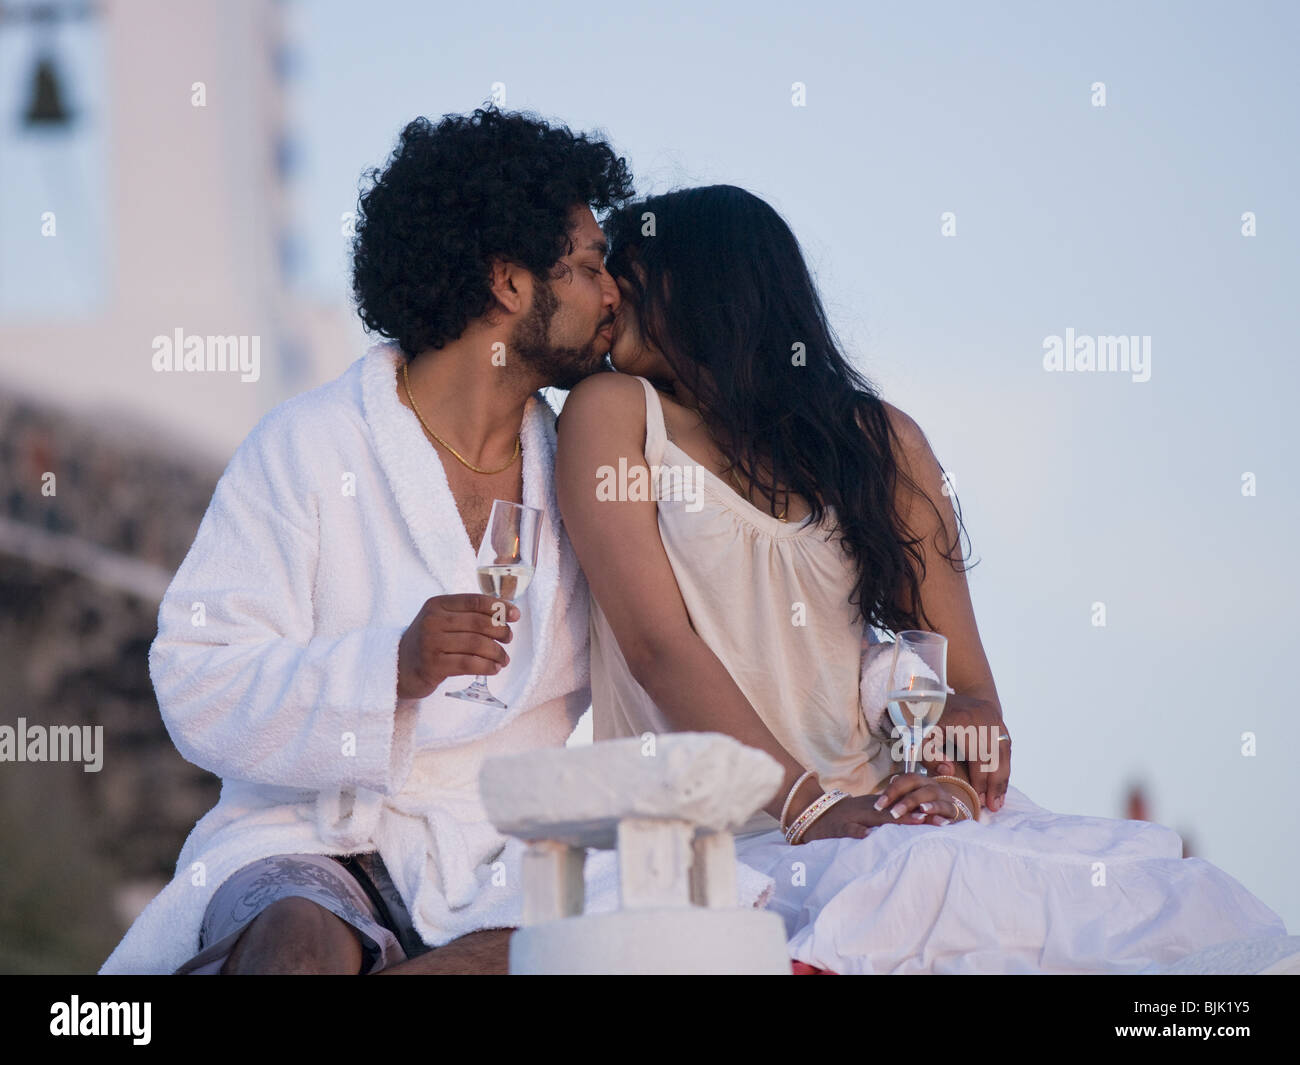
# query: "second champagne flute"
916,699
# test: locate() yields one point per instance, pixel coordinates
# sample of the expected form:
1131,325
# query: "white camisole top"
770,599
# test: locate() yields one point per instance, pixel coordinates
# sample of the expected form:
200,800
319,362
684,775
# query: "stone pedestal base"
688,941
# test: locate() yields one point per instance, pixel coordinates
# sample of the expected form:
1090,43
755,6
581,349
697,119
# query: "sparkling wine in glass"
506,560
916,697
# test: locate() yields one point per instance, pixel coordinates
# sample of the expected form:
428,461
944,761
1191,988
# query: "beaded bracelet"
790,797
815,809
804,819
964,786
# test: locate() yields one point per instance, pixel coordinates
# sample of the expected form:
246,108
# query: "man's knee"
296,935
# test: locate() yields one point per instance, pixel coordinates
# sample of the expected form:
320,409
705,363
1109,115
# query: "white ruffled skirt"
1023,890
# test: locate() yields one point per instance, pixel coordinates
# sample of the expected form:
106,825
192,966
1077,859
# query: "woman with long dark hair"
791,512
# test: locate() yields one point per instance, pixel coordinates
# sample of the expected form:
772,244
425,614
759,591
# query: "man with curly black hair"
334,572
467,218
477,252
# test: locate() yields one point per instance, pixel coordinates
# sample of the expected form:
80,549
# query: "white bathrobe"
275,665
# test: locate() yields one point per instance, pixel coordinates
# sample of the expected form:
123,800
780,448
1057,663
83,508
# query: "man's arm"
245,687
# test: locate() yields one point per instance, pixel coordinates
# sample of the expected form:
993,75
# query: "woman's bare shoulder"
603,412
906,431
610,393
903,425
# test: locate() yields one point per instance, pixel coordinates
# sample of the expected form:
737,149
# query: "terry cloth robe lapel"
433,837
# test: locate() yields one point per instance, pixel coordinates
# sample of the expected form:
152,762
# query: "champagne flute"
915,698
506,560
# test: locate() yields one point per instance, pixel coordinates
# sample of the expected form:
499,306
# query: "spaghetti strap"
656,436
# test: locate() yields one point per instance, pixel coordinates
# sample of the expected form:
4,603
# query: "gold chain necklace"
518,442
741,492
730,471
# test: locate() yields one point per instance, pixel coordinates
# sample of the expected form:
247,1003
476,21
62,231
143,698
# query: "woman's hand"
857,815
911,796
961,711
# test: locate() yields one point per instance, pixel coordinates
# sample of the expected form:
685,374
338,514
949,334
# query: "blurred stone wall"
81,573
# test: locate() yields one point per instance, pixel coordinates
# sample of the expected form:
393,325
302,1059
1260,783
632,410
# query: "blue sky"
1124,219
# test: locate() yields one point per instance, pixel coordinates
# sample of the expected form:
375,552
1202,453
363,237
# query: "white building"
168,198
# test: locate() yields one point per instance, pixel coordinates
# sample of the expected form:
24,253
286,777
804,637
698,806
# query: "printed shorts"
355,888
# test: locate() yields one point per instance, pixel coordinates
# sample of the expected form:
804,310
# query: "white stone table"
668,804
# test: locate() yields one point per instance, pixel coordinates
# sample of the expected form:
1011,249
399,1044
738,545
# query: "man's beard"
561,367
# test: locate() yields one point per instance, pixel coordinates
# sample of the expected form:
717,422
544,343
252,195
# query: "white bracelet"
815,809
790,798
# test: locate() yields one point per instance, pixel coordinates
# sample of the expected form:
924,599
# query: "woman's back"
770,599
